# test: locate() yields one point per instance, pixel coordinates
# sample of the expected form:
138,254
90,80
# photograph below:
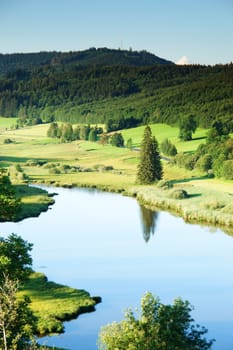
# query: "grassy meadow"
82,163
53,303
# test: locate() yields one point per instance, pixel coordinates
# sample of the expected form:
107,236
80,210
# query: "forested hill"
102,56
58,87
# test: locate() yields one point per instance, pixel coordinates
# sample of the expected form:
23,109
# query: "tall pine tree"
150,166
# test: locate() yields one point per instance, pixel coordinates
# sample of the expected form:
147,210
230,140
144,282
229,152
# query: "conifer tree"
150,166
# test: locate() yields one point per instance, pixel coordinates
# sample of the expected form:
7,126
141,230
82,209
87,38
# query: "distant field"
163,131
6,123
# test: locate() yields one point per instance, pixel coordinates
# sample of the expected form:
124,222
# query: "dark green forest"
119,88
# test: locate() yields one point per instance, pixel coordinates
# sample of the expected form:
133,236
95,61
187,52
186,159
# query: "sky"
200,31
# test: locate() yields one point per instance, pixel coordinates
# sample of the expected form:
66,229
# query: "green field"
7,123
82,163
163,131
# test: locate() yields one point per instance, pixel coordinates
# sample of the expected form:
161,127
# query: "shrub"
213,204
227,170
54,170
164,184
167,148
179,194
8,141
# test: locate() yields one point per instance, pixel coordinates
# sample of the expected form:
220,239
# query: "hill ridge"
93,56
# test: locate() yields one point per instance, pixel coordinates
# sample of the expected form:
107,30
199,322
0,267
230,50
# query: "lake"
112,247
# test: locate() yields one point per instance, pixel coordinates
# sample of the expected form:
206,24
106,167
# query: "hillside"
121,88
103,56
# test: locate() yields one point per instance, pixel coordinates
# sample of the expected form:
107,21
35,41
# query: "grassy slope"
53,303
210,201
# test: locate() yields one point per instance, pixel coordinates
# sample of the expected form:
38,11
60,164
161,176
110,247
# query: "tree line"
120,96
215,156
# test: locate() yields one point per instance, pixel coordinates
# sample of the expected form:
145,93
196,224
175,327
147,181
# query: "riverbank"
34,201
207,201
54,303
89,164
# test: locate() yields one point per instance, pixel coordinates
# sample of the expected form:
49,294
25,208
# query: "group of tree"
215,156
67,133
120,95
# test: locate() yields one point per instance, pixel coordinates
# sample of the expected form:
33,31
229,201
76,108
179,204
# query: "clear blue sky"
202,30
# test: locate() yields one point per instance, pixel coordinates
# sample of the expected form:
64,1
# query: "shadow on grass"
25,159
194,195
199,138
39,287
192,178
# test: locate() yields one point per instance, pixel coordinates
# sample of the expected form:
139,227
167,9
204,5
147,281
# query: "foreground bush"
159,327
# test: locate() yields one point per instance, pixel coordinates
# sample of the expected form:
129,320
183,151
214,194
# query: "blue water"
105,243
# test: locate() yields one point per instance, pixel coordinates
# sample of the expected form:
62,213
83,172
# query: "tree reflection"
148,220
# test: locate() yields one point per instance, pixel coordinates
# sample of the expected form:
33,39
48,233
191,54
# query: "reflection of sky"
95,241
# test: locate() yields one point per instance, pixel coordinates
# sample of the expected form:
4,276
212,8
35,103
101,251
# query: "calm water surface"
110,246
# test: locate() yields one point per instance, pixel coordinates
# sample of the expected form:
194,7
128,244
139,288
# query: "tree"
92,135
67,132
84,132
188,126
117,140
9,204
150,166
53,130
17,323
15,258
129,143
158,327
167,148
218,132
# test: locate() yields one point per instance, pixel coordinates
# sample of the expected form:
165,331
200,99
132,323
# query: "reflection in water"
148,220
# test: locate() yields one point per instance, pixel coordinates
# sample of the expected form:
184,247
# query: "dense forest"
116,87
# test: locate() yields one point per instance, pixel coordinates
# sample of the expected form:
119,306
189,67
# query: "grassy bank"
82,163
53,303
33,201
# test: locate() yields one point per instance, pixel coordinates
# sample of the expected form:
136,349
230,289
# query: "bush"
102,168
55,171
186,161
204,163
179,194
8,141
164,184
159,326
227,170
213,204
167,148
